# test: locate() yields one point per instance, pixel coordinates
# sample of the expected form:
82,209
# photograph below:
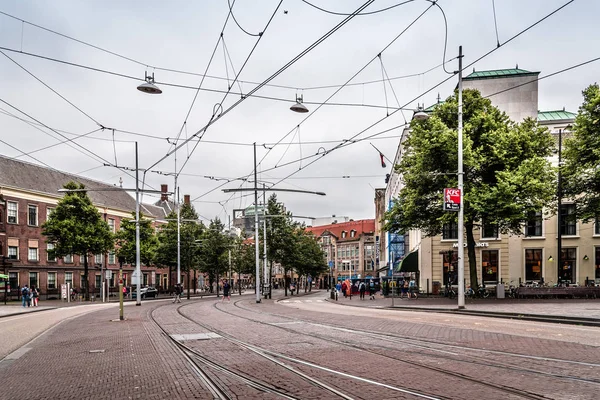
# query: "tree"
125,240
76,227
581,171
190,231
506,171
242,259
309,260
214,251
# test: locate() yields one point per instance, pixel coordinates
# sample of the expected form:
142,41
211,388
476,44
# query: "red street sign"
451,199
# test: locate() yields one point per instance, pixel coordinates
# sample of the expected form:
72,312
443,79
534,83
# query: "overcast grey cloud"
182,35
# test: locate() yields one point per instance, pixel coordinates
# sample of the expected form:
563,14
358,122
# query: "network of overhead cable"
177,71
326,152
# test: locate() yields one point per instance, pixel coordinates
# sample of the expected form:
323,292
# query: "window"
568,223
326,240
82,259
533,264
111,225
568,265
352,233
51,280
534,224
49,250
98,259
597,263
32,215
33,279
98,282
450,231
12,212
111,257
597,226
82,282
13,252
69,278
145,279
489,266
68,258
33,254
489,230
49,211
343,234
13,279
450,264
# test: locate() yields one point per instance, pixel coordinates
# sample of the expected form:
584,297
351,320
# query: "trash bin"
435,288
500,291
332,294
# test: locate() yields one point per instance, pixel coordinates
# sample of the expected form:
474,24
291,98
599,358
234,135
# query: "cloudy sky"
165,37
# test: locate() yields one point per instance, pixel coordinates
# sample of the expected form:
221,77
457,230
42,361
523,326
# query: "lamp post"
559,209
461,213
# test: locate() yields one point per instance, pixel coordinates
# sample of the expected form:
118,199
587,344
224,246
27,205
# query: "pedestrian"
362,288
125,291
24,295
226,288
371,290
35,294
344,288
405,289
178,291
292,287
338,287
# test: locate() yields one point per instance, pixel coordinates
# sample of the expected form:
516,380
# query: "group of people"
30,296
179,291
347,288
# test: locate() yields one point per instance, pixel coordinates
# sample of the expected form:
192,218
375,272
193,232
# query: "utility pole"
229,251
461,213
256,241
138,300
559,210
266,274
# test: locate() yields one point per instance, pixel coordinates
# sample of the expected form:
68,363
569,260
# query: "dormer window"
352,233
344,234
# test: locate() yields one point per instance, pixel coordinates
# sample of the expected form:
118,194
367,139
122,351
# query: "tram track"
507,389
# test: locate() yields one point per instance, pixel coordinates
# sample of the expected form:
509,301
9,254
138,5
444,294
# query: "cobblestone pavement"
364,352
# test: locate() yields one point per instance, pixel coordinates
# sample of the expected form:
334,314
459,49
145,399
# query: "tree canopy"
506,172
125,240
581,171
214,251
76,227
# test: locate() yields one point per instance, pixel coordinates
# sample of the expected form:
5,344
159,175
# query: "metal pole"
121,290
229,251
559,211
461,214
178,238
138,300
256,244
266,276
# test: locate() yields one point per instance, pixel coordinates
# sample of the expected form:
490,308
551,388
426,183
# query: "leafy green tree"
125,240
76,227
506,171
214,252
310,260
190,231
581,171
242,259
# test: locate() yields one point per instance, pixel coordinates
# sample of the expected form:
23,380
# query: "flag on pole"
382,161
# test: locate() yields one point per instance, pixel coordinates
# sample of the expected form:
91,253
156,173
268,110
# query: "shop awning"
410,263
3,276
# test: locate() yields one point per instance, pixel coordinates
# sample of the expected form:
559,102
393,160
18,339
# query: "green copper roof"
498,73
433,106
555,115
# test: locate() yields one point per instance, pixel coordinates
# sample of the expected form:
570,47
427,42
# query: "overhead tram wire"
229,88
354,76
273,76
237,23
177,71
362,13
430,89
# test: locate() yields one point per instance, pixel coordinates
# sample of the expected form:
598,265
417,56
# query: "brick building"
28,194
349,248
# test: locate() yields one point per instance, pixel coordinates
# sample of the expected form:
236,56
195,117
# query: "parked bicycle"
482,292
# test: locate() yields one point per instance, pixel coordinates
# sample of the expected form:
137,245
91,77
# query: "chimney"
164,189
186,199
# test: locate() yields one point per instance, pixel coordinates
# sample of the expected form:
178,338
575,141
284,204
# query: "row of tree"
507,173
76,227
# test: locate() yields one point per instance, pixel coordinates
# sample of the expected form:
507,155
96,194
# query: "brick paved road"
447,356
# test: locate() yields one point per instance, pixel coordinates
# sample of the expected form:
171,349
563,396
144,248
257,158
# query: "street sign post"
451,199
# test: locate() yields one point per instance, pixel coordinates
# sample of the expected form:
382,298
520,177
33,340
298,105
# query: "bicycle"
482,292
450,293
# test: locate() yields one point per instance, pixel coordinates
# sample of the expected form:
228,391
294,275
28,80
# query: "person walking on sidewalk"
178,291
371,290
35,294
25,296
362,288
226,288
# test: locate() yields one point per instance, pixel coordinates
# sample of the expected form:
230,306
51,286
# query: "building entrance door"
567,268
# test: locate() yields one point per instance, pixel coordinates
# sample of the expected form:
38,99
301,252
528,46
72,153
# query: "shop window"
533,264
51,280
12,212
32,215
568,223
534,224
597,263
13,279
33,279
567,266
450,263
450,231
489,266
